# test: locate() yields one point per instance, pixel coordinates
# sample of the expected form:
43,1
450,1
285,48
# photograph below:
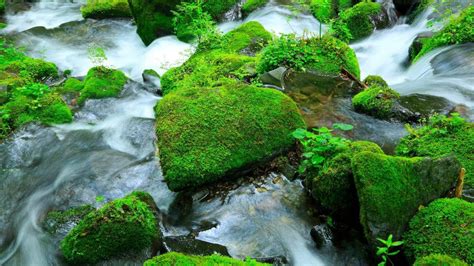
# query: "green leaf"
397,243
393,253
381,251
299,133
317,160
342,126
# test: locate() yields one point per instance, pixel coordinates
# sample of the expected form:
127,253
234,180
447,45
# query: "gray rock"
191,246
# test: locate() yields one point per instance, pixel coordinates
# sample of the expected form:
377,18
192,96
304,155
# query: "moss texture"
251,5
458,31
356,22
446,227
390,189
101,82
221,65
325,10
99,9
440,136
376,101
374,80
2,6
178,259
439,260
121,226
56,219
326,55
205,133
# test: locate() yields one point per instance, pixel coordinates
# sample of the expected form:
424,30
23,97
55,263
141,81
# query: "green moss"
458,31
326,55
446,227
72,85
440,136
356,23
251,5
439,260
2,6
151,72
333,187
100,9
325,10
376,101
217,8
56,219
178,259
374,80
121,226
101,82
205,133
390,189
251,35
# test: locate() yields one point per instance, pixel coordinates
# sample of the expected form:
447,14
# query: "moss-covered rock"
357,22
325,10
326,55
458,31
390,189
443,135
374,80
2,6
58,220
251,5
119,227
247,38
101,82
446,227
154,17
206,133
100,9
333,187
376,101
173,258
439,260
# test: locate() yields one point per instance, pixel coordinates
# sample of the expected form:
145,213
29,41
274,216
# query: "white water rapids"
108,151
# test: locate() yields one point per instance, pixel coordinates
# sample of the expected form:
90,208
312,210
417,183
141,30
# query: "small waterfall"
389,8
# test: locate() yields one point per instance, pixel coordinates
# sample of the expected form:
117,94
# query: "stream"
108,151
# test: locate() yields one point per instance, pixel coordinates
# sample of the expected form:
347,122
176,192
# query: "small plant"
99,199
97,55
320,145
384,251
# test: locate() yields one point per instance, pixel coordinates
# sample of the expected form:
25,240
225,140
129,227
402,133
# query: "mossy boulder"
457,31
333,187
325,10
251,5
154,17
439,260
446,227
375,80
59,220
443,135
100,9
391,189
100,82
121,226
207,133
173,258
326,55
358,21
248,38
376,101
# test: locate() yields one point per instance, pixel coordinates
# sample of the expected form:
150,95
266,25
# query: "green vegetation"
206,133
251,5
325,10
386,250
249,36
376,101
100,9
178,259
390,189
458,31
121,226
56,219
151,72
191,21
442,135
356,22
2,6
374,80
326,55
439,260
445,227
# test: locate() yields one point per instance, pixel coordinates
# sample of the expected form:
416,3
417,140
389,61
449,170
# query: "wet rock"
423,105
273,77
458,59
191,246
403,6
275,261
321,235
417,44
152,82
62,221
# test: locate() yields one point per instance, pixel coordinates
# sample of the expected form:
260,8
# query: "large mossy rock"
205,134
326,55
99,9
376,101
325,10
439,260
457,31
333,187
445,227
173,258
154,17
391,189
122,226
441,136
359,21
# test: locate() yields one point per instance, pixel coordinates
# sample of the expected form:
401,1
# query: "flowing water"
109,149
